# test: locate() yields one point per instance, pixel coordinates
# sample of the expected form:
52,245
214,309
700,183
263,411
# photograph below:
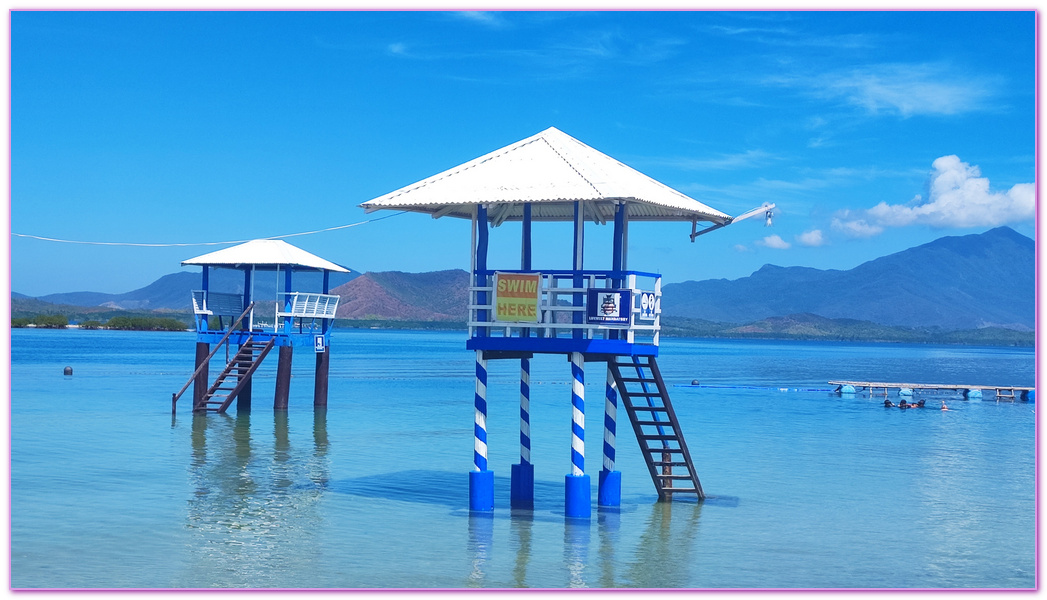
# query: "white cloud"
811,238
775,241
858,228
958,197
741,248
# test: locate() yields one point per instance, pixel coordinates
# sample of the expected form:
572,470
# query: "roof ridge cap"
567,162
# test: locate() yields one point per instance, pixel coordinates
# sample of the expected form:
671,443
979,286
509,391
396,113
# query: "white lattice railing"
217,303
307,305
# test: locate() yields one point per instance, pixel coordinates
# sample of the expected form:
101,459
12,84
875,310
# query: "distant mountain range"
172,292
959,282
976,281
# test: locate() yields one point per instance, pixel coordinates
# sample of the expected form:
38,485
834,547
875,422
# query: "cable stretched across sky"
172,245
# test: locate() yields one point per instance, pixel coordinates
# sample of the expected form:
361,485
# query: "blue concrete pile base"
481,490
577,496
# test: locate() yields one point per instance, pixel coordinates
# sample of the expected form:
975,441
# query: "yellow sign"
516,296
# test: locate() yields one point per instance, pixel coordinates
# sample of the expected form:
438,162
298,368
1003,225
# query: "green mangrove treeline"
122,322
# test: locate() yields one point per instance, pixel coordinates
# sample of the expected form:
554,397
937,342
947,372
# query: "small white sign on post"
319,344
648,306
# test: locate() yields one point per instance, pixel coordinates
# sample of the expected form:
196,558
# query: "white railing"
217,303
563,309
307,305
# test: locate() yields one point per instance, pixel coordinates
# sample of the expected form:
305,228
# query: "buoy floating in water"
68,370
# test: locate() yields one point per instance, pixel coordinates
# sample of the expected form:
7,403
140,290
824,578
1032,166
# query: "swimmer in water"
944,407
887,404
903,404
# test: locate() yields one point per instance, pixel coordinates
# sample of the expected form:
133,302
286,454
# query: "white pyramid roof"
550,170
264,253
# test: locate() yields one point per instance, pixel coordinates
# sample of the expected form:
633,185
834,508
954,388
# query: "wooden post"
200,384
323,364
243,397
283,378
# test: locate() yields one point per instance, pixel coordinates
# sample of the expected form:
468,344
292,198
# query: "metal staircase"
234,377
646,401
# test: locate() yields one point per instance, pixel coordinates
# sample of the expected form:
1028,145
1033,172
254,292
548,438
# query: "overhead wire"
173,245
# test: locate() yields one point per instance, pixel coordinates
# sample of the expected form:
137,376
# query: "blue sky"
872,131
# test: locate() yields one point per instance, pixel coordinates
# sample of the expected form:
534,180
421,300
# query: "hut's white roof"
265,253
550,170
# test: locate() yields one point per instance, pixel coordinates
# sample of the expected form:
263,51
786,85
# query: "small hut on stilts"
591,316
234,320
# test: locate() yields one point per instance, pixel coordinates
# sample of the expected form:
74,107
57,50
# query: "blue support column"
289,321
481,480
202,324
325,324
610,490
577,490
521,484
618,249
480,276
619,237
579,252
525,245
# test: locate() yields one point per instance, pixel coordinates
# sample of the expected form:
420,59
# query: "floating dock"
1003,392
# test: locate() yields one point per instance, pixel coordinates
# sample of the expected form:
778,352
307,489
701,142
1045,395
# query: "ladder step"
650,408
656,423
680,490
639,380
688,476
662,437
645,394
663,450
660,463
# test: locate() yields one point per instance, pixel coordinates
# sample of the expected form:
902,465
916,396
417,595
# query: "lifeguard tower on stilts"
592,316
299,318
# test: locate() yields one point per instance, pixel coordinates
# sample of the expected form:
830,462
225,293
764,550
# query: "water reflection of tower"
481,537
576,535
520,527
664,553
609,522
253,515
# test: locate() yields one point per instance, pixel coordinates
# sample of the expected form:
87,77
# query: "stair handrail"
176,396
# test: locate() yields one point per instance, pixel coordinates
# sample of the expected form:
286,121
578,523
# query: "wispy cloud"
903,89
958,196
740,160
482,17
783,36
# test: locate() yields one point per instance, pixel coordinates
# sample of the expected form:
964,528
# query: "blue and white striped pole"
577,491
610,490
481,480
521,481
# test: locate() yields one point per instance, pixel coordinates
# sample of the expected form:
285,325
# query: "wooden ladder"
647,403
234,377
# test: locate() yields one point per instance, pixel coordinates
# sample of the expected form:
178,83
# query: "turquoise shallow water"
806,489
